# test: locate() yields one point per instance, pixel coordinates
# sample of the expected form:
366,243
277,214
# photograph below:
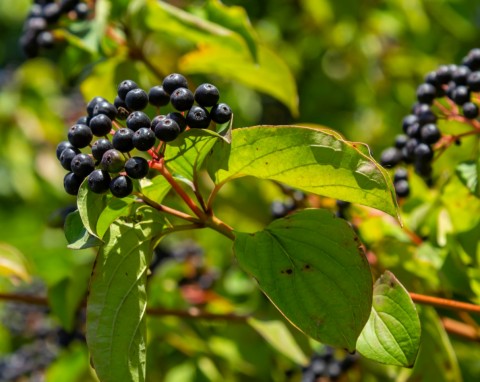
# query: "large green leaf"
114,209
117,299
90,206
77,235
309,159
310,265
392,333
468,174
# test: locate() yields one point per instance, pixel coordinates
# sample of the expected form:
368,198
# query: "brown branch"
460,329
444,303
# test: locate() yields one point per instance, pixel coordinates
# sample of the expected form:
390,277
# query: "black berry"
430,133
91,105
65,145
423,152
425,114
157,96
136,99
207,95
167,130
426,93
221,113
460,75
66,158
137,120
51,12
400,141
100,125
181,99
179,118
408,120
400,174
461,95
174,81
72,183
198,118
413,131
409,149
45,40
473,81
121,186
112,161
100,147
82,165
470,110
124,87
390,157
143,139
136,167
104,107
81,10
118,103
80,135
444,74
99,181
122,140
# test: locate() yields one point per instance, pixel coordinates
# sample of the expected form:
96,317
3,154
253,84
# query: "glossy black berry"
112,161
123,140
413,131
65,145
124,87
66,158
167,130
221,113
402,188
82,165
51,12
390,157
106,108
425,114
93,102
136,167
157,96
174,81
426,93
179,118
460,75
400,174
182,99
473,59
68,5
118,103
444,74
45,40
157,119
100,125
198,118
137,120
121,186
207,95
84,120
400,141
470,110
82,11
80,135
430,133
136,99
143,139
473,81
100,147
409,149
423,152
461,95
99,181
72,183
407,121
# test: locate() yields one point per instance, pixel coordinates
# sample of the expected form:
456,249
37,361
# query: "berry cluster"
43,18
450,92
110,165
327,365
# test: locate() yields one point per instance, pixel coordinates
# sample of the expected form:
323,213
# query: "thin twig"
460,329
444,303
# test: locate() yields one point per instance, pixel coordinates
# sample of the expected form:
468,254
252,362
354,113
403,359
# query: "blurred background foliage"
349,65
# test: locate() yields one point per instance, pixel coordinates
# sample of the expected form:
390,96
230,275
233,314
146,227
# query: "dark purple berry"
100,125
179,118
106,108
136,99
167,130
84,120
426,93
461,95
99,181
182,99
470,110
143,139
82,11
124,87
444,74
112,161
408,120
82,165
51,12
207,95
221,113
137,167
400,174
137,120
423,152
174,81
390,157
122,140
409,149
460,75
118,103
121,186
68,5
413,131
425,114
72,183
65,145
473,81
402,188
157,96
430,133
400,141
45,40
198,118
473,59
80,135
91,105
66,158
157,119
100,147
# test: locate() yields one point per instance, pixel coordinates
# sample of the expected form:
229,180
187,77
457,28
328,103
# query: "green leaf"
234,18
278,335
310,265
306,158
117,300
187,153
114,209
76,234
468,174
13,263
277,79
392,333
90,206
156,189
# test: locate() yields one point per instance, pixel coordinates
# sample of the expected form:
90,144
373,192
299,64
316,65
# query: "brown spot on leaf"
307,267
288,271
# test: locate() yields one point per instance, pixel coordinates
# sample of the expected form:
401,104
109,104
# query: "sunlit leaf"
392,333
13,263
311,267
90,206
77,235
